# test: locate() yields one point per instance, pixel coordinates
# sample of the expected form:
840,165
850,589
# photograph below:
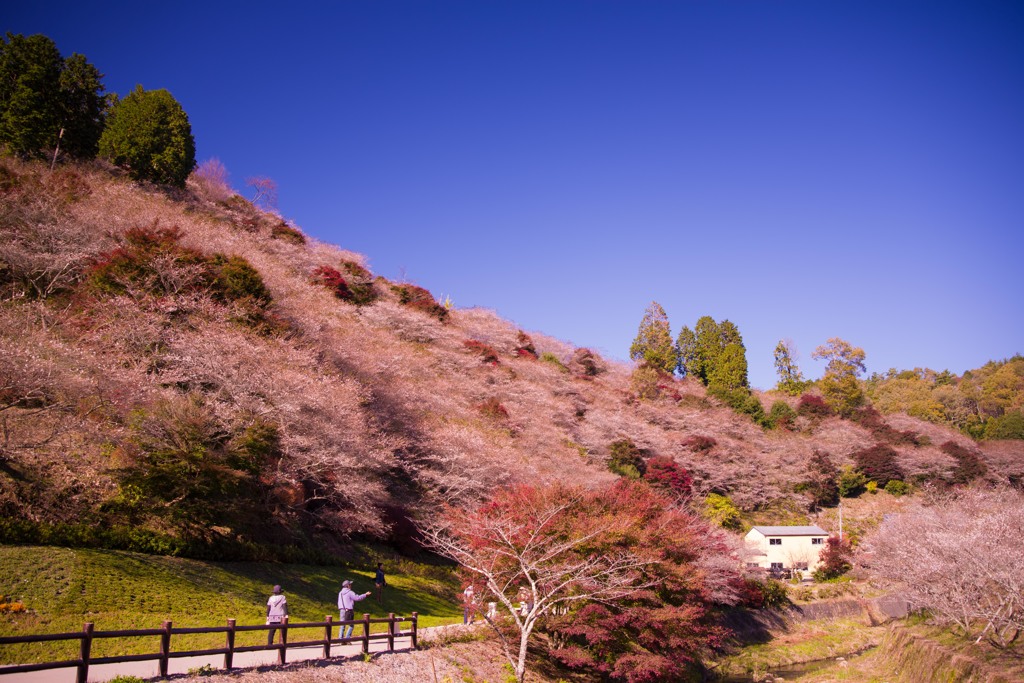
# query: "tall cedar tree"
714,353
42,92
149,134
653,344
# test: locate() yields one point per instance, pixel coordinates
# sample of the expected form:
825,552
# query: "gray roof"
792,530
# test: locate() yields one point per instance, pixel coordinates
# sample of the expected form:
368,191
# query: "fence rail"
165,632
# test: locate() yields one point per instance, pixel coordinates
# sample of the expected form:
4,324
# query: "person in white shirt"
347,600
277,610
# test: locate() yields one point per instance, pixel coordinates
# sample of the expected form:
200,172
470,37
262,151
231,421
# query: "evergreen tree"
707,346
42,93
791,380
686,352
149,134
653,343
729,371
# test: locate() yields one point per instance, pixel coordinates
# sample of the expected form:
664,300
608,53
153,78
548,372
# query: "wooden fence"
165,632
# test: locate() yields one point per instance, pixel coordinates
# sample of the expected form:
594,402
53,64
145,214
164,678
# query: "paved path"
181,665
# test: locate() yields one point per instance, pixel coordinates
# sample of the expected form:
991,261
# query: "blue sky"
804,169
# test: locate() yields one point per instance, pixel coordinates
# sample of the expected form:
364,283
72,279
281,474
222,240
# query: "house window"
776,565
774,541
817,541
752,565
800,565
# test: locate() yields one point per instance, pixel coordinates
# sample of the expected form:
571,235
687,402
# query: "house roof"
791,530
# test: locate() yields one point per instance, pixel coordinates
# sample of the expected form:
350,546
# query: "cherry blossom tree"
957,555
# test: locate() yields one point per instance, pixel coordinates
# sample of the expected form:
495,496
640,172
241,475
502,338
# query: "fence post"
229,656
366,633
327,635
85,650
281,656
391,631
165,649
414,619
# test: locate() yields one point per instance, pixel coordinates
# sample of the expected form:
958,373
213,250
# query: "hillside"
181,365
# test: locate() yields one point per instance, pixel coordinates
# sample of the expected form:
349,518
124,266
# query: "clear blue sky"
804,169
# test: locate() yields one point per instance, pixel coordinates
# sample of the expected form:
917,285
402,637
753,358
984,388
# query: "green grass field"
64,588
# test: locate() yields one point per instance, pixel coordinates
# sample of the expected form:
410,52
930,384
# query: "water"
789,673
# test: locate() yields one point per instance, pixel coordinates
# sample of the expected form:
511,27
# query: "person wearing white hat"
347,600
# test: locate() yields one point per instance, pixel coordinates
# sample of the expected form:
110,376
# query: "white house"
785,547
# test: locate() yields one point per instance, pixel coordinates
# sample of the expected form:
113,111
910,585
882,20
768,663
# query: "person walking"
347,600
379,581
277,610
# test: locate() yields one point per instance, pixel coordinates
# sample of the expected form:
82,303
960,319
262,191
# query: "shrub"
551,358
968,465
235,279
834,560
644,382
524,346
742,401
781,415
698,443
485,351
285,232
585,362
897,487
879,463
152,259
871,419
332,280
721,510
812,405
420,299
149,134
852,482
625,459
666,474
493,409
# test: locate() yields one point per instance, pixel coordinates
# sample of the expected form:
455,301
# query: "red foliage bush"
332,280
968,465
871,419
486,351
420,299
698,443
879,464
811,405
666,474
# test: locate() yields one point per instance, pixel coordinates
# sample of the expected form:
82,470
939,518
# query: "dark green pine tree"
42,93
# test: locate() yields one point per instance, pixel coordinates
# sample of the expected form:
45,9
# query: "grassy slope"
64,588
